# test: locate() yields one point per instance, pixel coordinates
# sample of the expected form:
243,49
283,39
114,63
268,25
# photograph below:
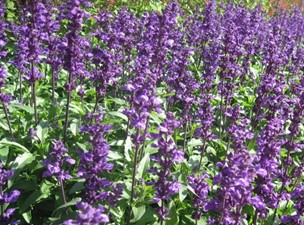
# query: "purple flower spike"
6,198
166,185
56,161
94,162
201,190
89,215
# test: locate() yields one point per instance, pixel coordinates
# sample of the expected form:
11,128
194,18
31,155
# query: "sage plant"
55,163
94,163
74,47
165,185
4,98
30,45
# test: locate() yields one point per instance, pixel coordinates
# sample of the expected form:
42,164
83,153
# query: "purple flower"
3,27
166,185
94,162
297,197
5,198
236,176
57,159
89,215
74,46
201,189
32,32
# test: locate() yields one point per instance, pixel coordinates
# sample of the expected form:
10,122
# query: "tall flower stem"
162,208
8,120
142,151
221,112
1,205
53,87
284,183
20,87
222,210
34,95
185,136
133,178
67,109
62,191
255,219
202,155
96,101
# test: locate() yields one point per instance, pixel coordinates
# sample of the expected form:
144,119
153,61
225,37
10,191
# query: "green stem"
1,205
202,155
133,178
185,136
62,191
162,207
255,219
8,120
67,109
142,150
34,95
53,86
20,88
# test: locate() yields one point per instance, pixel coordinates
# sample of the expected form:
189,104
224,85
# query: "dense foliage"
158,118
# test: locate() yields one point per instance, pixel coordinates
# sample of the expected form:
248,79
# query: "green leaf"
172,214
73,128
76,109
182,193
117,143
128,147
22,160
194,142
82,146
4,126
202,221
35,197
25,108
138,212
42,132
25,185
211,150
72,202
157,118
143,166
27,216
119,114
18,164
77,187
117,101
115,155
14,144
3,154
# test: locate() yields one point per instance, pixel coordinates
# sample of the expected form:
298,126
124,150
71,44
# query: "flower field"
158,117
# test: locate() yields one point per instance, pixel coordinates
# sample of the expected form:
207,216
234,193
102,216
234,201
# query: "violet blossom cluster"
74,45
296,196
31,35
89,215
165,185
3,27
201,190
5,98
236,176
116,37
267,158
55,163
94,163
7,198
